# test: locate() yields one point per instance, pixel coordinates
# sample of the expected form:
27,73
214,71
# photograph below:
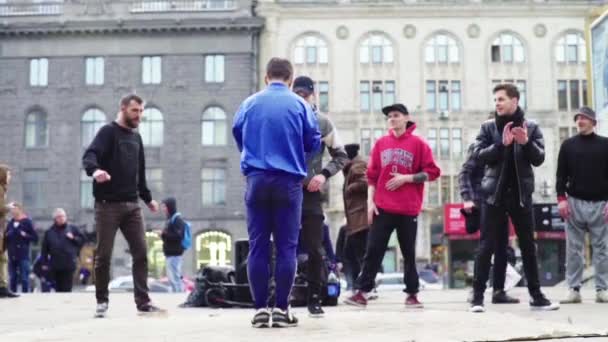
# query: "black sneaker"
283,319
261,319
501,297
477,303
150,310
315,310
6,293
540,303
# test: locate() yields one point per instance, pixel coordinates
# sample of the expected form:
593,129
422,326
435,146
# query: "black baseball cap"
304,84
397,107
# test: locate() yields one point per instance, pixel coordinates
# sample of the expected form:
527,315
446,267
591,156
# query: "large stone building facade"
64,67
442,59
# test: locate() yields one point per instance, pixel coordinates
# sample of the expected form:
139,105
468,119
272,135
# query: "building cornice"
120,26
371,10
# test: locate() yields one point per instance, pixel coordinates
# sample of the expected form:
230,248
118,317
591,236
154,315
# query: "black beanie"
351,150
171,204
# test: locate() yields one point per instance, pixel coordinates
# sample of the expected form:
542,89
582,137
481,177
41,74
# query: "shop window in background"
156,257
213,248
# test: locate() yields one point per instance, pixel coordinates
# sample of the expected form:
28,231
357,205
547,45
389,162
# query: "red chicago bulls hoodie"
408,155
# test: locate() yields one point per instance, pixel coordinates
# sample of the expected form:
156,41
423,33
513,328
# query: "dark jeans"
495,221
63,280
126,216
354,251
500,256
312,236
274,207
19,272
377,242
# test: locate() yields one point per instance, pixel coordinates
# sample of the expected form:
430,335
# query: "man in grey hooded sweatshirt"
312,212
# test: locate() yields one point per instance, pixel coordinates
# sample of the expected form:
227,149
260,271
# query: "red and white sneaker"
412,302
358,299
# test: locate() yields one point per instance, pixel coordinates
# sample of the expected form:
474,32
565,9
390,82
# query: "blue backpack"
187,239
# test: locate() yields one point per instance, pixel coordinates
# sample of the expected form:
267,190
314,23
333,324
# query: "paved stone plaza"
68,317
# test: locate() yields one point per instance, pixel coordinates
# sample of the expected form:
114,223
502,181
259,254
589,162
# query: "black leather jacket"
490,151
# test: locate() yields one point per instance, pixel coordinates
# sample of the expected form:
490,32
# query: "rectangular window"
376,54
456,143
311,54
34,188
496,53
444,143
378,133
455,190
154,179
430,96
94,70
377,95
574,94
389,93
562,95
214,68
584,93
366,141
432,140
324,96
213,186
151,70
455,103
86,190
443,96
364,96
433,193
39,72
445,189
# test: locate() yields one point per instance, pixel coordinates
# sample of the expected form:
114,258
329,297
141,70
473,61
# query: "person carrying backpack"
176,239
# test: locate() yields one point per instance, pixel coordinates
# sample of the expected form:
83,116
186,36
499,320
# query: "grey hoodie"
331,141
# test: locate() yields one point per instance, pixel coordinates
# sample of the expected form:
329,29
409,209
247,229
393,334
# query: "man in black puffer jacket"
172,237
508,146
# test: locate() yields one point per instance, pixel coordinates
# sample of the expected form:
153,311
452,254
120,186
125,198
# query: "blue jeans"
19,270
274,206
174,272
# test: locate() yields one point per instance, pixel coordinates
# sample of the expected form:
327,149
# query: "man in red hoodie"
399,164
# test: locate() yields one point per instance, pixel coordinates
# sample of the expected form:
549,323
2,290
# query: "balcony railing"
147,6
30,8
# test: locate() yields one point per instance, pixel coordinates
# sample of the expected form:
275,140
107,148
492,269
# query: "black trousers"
496,239
312,236
383,226
63,280
354,251
499,268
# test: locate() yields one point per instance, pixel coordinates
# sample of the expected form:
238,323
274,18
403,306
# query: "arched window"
213,248
507,48
92,120
310,49
156,257
151,127
213,127
376,49
36,130
571,48
442,48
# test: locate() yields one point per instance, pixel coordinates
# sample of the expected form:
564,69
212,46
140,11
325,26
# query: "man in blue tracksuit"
274,130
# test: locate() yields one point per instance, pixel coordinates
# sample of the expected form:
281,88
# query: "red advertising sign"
454,223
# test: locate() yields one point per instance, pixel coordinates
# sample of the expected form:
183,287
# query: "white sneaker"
601,296
101,310
574,297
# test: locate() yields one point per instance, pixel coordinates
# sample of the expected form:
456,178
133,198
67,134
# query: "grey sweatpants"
586,215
